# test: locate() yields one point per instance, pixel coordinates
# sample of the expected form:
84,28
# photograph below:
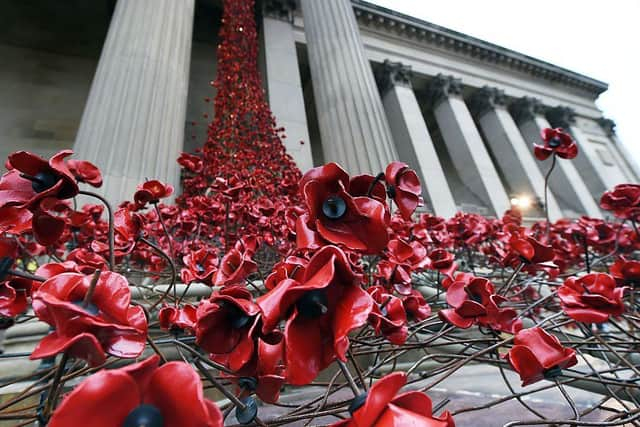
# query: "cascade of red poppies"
244,171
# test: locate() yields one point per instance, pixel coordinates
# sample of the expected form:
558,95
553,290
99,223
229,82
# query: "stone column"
282,77
623,157
353,125
464,143
565,182
586,162
516,158
415,146
134,118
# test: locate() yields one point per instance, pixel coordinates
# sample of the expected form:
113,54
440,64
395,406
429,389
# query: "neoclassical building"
126,84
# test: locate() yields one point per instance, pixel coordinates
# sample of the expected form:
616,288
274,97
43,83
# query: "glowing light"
522,202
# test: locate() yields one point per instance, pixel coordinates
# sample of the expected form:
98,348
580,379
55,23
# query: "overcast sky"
592,37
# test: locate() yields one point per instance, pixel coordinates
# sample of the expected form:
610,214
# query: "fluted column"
407,125
134,118
565,181
516,158
623,157
282,77
352,122
464,143
586,161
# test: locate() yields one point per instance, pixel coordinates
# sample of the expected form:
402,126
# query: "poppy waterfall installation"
267,296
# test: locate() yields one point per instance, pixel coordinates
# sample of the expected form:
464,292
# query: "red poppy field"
329,299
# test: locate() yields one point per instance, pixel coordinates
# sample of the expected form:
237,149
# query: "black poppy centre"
334,207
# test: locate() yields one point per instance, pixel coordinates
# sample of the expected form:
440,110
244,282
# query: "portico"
451,107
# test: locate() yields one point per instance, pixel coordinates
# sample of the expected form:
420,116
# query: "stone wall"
42,98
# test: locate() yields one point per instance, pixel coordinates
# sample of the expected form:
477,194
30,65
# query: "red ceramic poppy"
537,355
265,373
443,261
416,306
234,268
358,222
226,326
34,178
555,141
87,261
432,229
13,296
512,216
107,324
170,395
85,171
49,219
396,276
388,317
290,268
177,319
591,298
412,254
190,162
468,229
200,265
530,250
247,244
320,311
535,255
383,407
626,272
403,187
605,235
476,302
623,201
151,192
128,224
230,188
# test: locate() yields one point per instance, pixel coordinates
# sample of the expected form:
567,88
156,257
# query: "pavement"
471,386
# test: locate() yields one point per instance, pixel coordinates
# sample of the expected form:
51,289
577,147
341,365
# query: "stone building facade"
127,84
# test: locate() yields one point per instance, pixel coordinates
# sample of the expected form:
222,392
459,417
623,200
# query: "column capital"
526,108
279,9
561,116
608,125
441,87
486,99
394,73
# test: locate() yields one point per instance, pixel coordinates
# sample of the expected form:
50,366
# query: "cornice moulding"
376,17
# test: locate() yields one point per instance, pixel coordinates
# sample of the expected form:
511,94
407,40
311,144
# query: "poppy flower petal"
176,389
85,346
526,364
304,343
352,311
104,399
379,396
